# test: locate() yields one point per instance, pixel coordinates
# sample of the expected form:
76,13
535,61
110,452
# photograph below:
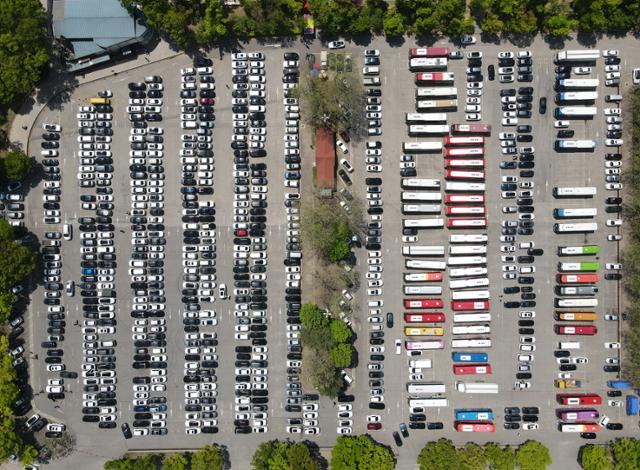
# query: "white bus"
562,213
431,92
422,277
467,249
466,272
471,317
577,302
421,208
436,104
471,343
462,187
565,144
465,210
471,330
577,96
575,112
427,63
432,129
423,250
422,290
413,118
476,387
422,264
579,191
422,223
468,238
407,196
584,55
467,283
428,402
426,388
470,294
578,83
418,147
420,183
575,228
466,260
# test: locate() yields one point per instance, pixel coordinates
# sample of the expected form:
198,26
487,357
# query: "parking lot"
398,98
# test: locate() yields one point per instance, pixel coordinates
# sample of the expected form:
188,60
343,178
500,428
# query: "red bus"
471,129
464,198
428,52
466,223
578,278
589,330
579,398
465,210
464,175
436,317
458,140
463,151
461,163
472,369
475,427
423,303
470,305
435,77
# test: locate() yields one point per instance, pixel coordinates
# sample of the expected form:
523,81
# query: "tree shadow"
555,42
490,38
585,38
395,41
314,450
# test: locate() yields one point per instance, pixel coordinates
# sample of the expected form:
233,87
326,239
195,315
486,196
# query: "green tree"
7,300
500,458
532,455
29,454
17,262
472,457
393,23
438,455
312,317
340,332
215,24
323,374
342,355
175,462
360,453
207,458
626,453
11,442
9,391
15,166
595,457
277,455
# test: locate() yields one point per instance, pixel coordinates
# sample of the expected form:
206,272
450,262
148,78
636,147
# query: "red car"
344,135
240,233
374,426
209,101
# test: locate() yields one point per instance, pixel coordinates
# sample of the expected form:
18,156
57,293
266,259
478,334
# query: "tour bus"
423,277
423,303
477,387
419,64
424,264
472,369
464,175
579,427
416,402
578,278
471,343
471,237
470,305
424,317
407,196
463,151
423,331
419,147
471,317
579,398
580,191
580,414
583,55
422,290
436,78
578,330
578,290
455,186
584,144
579,250
416,118
423,250
439,92
97,100
421,208
426,388
575,112
577,316
471,330
576,96
471,129
422,223
428,52
463,163
578,83
420,183
475,414
468,283
465,210
570,303
469,357
575,228
467,249
467,272
466,260
453,140
565,213
423,345
583,266
467,223
430,129
436,104
475,427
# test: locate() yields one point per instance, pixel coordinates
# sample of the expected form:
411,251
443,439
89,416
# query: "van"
292,115
613,98
108,344
294,254
67,231
371,81
371,70
569,345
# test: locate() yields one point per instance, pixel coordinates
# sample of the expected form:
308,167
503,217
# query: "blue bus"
477,414
470,357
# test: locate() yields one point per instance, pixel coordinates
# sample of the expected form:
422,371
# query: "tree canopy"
360,453
14,166
284,455
595,457
532,455
207,458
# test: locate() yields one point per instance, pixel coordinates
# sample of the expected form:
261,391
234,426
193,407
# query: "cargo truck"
632,405
567,383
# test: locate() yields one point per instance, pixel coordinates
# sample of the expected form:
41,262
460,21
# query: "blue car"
89,271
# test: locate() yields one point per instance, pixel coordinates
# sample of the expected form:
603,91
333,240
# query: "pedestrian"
25,127
227,85
121,231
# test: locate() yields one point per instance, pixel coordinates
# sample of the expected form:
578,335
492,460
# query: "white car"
530,426
527,314
613,142
613,186
613,222
336,45
611,53
472,116
468,39
616,403
509,121
616,266
506,55
582,70
614,345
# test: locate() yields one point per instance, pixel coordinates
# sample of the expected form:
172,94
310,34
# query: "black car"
512,418
512,304
561,353
588,435
609,368
511,410
512,425
568,367
389,320
492,72
396,438
614,426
